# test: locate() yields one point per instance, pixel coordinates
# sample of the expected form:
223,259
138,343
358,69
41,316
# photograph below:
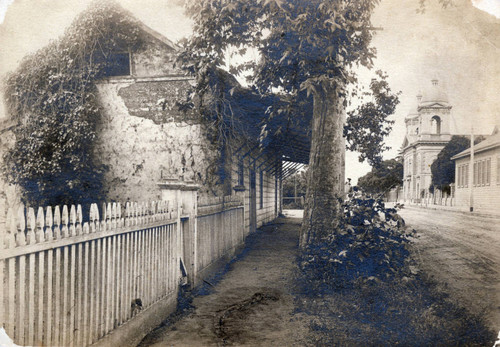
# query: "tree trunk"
326,175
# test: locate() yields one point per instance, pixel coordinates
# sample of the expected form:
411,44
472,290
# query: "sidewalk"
455,209
251,305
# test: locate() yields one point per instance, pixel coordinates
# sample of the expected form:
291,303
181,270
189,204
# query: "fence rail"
220,228
207,206
68,282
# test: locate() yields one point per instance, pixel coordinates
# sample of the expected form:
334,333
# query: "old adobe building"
146,143
427,132
180,203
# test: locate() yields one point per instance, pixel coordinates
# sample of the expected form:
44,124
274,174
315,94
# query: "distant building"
486,175
427,132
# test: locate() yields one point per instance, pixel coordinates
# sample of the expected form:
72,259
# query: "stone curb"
467,213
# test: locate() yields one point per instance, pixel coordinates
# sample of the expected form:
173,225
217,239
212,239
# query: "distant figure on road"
347,187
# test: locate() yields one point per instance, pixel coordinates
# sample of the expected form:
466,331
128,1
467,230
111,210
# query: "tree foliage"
383,177
443,168
368,124
302,45
295,183
53,97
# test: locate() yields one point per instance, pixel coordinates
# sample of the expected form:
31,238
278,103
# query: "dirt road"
251,305
462,251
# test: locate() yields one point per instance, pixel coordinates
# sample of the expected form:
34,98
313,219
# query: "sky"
490,6
458,45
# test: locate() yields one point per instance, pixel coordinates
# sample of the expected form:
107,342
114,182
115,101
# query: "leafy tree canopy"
303,46
443,168
53,97
382,177
367,125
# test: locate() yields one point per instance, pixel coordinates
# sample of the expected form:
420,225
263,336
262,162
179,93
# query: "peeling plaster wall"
140,147
143,139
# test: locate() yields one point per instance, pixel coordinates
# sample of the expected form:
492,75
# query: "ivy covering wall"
53,97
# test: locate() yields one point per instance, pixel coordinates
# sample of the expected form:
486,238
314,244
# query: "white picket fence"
66,282
220,228
69,283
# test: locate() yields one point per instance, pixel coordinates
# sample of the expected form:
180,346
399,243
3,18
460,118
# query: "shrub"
371,244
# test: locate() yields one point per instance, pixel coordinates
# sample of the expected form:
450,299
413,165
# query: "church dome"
414,110
435,93
411,116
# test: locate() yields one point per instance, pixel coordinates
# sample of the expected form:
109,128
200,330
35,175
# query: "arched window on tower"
436,125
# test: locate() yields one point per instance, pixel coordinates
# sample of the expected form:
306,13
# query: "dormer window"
116,64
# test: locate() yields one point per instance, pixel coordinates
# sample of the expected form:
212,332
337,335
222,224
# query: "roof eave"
466,153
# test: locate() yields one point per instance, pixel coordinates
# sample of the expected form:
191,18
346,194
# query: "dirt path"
251,305
463,252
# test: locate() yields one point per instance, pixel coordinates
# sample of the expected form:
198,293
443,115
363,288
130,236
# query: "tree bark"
326,174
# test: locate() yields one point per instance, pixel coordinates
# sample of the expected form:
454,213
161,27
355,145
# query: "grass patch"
409,312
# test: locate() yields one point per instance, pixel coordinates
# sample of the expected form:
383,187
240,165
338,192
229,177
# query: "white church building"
427,132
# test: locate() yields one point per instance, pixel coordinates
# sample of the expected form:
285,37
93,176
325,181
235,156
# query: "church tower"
427,132
434,111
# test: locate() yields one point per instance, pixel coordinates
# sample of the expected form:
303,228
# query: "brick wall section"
157,100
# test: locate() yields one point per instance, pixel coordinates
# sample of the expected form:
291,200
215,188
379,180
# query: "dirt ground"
251,305
462,252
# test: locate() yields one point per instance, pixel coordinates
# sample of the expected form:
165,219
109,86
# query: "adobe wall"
143,141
